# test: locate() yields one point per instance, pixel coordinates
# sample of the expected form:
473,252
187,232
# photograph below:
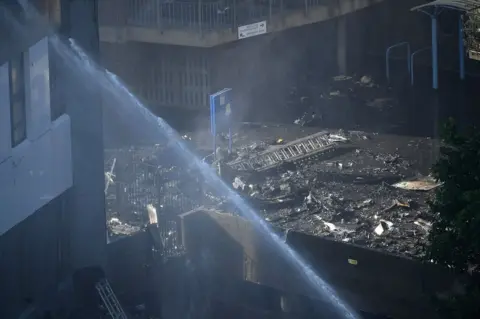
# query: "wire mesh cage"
140,176
472,33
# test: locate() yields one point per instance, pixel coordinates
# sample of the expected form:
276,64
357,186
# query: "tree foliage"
455,234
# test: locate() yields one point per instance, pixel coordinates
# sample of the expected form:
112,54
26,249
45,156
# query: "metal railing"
139,177
200,15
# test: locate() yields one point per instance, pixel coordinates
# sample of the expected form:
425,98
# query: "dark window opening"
57,102
18,117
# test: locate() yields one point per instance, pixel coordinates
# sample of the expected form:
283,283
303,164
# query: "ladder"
109,299
293,151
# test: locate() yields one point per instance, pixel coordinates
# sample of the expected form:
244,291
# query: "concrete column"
86,203
341,28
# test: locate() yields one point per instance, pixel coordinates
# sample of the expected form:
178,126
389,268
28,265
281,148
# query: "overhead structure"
434,9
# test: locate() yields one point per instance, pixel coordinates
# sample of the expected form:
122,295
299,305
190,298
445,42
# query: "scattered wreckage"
291,152
334,184
338,184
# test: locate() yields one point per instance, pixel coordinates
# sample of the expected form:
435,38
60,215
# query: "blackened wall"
33,258
262,70
68,233
87,203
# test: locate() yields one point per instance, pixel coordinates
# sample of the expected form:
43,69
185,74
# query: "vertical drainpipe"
159,15
200,17
461,47
434,52
234,15
270,10
282,13
341,29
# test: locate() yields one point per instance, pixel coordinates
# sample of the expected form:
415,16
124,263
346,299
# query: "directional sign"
251,30
220,116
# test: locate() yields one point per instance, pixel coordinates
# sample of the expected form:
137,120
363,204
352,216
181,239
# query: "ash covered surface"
347,195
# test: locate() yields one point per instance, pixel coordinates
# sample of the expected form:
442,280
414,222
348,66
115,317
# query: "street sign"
251,30
220,116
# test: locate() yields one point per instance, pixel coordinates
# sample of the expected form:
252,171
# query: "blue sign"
220,116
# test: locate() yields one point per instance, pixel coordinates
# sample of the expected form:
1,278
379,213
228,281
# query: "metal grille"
170,235
199,16
137,177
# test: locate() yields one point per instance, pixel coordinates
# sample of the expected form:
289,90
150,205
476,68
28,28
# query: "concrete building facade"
52,216
174,54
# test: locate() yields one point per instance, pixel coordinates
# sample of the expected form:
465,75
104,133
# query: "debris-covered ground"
353,195
350,194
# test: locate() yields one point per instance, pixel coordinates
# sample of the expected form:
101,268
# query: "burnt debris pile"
364,189
137,177
342,101
355,187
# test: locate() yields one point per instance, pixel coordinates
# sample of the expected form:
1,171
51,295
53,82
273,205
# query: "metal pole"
200,16
270,10
160,15
230,140
412,61
434,53
461,47
213,125
234,15
387,57
282,13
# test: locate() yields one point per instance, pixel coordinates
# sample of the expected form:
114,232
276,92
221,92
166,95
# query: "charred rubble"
342,101
348,191
360,188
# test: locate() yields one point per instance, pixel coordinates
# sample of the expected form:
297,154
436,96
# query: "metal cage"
140,176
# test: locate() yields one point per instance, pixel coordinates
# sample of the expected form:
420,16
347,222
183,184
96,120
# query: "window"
57,103
18,117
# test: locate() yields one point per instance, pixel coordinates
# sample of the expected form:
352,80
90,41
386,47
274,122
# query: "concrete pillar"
86,203
341,28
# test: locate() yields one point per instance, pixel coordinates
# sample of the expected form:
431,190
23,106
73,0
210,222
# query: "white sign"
251,30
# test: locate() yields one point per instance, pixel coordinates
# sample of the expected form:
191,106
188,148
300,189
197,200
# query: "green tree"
455,234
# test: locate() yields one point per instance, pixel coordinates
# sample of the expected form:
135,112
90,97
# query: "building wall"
162,75
52,213
262,69
83,104
33,258
39,168
174,82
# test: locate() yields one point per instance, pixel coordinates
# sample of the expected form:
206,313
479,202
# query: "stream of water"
139,117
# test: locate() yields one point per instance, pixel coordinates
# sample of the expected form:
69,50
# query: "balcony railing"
200,15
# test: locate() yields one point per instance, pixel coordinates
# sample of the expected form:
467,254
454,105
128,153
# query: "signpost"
220,115
251,30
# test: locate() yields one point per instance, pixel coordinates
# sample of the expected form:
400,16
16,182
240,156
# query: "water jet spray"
89,73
